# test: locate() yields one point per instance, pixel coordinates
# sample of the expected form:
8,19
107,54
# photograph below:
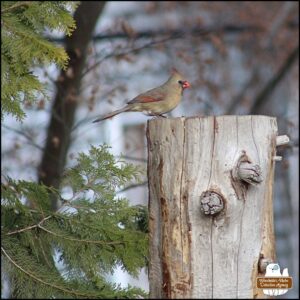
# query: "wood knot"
211,203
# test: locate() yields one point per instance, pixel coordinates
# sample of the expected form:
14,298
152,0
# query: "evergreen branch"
16,5
80,240
29,227
21,230
81,224
54,53
44,254
39,225
67,203
41,280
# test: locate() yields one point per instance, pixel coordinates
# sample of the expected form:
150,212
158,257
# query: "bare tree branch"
237,99
125,52
172,33
25,135
270,86
267,41
132,186
279,20
132,158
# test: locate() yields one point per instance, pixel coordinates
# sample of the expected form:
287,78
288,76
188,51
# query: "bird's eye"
180,82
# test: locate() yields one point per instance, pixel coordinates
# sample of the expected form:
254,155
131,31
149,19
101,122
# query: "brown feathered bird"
157,101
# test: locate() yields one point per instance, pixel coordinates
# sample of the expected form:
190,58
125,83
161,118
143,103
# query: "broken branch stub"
246,171
277,158
282,140
249,173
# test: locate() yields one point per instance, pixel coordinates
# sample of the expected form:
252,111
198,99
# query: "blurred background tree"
240,57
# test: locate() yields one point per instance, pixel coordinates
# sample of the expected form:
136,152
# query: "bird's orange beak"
186,84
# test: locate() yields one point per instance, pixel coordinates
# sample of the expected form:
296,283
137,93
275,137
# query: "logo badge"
274,283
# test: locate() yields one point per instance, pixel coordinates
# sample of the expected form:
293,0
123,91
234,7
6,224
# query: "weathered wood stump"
210,202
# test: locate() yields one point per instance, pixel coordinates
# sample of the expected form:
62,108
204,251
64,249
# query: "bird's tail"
110,115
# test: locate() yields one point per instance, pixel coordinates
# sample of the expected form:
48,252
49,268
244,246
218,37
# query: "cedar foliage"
24,48
91,234
68,253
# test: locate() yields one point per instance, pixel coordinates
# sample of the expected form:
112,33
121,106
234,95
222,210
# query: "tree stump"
210,205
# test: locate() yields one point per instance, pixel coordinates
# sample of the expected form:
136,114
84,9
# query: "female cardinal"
156,101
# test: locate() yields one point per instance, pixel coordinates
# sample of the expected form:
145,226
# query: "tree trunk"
65,102
210,205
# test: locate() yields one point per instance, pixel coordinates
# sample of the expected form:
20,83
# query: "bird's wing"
154,95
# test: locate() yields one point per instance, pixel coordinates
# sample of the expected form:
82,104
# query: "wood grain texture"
199,256
169,249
